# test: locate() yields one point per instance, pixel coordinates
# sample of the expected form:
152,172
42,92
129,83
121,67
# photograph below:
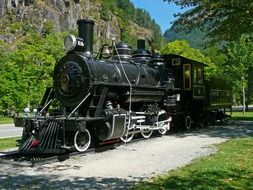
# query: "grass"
248,116
230,168
8,143
6,120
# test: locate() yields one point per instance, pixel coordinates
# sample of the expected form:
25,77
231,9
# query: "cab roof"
174,59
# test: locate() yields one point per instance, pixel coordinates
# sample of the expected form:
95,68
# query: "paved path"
124,166
8,130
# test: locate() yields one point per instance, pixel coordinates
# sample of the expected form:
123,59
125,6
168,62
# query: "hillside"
116,18
195,37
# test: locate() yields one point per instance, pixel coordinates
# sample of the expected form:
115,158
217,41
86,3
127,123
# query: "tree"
156,40
107,6
183,48
26,71
219,58
127,8
227,19
239,65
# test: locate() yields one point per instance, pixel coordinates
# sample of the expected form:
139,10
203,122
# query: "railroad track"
21,159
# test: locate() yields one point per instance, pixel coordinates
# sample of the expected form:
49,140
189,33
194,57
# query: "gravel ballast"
124,166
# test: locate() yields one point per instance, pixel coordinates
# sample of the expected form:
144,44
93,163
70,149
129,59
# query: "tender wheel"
146,133
82,140
188,122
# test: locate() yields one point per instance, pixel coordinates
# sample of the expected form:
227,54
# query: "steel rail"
31,160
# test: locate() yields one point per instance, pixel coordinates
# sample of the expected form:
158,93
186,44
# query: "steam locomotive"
117,94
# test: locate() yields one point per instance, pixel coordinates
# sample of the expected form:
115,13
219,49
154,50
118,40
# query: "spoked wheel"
164,129
188,122
146,133
82,140
127,138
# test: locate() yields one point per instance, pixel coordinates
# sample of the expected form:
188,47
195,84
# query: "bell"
106,52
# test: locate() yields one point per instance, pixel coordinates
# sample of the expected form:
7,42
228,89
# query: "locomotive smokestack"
85,31
140,44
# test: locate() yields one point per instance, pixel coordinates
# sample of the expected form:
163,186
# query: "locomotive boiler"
94,100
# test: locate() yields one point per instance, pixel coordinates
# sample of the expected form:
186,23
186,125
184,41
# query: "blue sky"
162,12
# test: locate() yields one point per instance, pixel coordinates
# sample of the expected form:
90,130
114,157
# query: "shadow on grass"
53,182
218,179
233,129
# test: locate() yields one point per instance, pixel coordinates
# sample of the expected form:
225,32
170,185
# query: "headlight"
70,42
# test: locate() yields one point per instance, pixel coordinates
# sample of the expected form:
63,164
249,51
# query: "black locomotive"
115,95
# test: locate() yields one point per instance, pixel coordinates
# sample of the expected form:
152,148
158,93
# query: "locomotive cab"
189,75
189,87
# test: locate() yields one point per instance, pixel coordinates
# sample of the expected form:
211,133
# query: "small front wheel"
82,140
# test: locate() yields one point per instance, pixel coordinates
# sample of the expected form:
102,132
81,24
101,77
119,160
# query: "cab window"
198,75
187,76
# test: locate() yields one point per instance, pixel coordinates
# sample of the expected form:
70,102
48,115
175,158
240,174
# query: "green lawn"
248,116
8,143
5,120
230,168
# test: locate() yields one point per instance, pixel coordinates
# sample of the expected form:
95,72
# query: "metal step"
67,147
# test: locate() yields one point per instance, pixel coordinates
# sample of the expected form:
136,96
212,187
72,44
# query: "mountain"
113,18
195,37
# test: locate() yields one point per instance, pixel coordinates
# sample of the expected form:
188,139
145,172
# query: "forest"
226,29
28,62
